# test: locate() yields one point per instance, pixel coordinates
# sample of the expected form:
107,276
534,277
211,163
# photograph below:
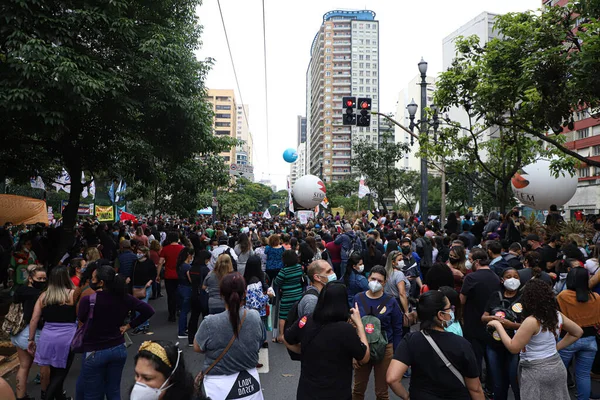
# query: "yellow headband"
157,350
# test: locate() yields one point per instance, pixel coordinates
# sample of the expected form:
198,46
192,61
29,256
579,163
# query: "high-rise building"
584,138
301,129
412,91
225,122
244,151
298,168
344,62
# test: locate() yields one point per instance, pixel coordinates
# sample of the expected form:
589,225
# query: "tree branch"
485,167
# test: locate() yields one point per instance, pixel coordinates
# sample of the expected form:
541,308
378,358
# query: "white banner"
362,189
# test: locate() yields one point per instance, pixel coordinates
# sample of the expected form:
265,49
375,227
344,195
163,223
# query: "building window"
221,107
222,98
227,116
583,133
226,158
222,132
583,172
596,150
223,124
367,57
368,65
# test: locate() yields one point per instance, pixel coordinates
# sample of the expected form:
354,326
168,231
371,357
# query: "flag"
63,182
118,191
362,189
267,214
290,198
325,202
124,188
417,208
316,210
37,182
84,193
93,189
111,192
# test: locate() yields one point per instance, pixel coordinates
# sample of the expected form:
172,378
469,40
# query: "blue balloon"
290,155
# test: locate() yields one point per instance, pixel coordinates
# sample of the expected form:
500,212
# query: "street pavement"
279,375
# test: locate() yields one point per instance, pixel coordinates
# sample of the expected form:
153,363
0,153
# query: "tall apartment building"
298,168
225,121
344,62
585,139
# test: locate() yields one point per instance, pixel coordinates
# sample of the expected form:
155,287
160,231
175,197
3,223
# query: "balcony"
342,43
342,51
340,67
346,92
342,83
341,27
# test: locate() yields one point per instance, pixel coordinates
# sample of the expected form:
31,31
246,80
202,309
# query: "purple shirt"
110,312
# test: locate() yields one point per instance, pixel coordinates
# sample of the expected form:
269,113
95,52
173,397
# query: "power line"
237,82
266,86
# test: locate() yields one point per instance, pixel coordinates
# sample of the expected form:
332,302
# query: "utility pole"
425,130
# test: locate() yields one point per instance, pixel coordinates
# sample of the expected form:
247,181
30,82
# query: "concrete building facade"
344,62
225,121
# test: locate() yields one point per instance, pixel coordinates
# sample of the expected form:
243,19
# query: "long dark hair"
183,255
392,245
533,261
181,383
577,280
311,243
353,260
244,243
113,283
254,269
306,253
538,301
232,289
332,305
428,307
371,246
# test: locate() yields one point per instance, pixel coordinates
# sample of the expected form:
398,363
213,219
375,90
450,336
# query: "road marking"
263,358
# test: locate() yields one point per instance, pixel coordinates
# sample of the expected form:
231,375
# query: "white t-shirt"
391,285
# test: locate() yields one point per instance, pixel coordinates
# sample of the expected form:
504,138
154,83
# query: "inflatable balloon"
309,191
536,187
290,155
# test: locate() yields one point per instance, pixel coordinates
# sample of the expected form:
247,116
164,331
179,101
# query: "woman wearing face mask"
371,255
431,378
104,344
354,279
28,296
76,270
160,373
504,306
144,273
457,259
21,258
375,302
289,282
397,285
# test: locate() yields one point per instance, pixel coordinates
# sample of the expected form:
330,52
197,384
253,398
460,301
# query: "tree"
105,87
378,164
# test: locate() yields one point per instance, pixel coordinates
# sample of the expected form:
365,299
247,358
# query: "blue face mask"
447,324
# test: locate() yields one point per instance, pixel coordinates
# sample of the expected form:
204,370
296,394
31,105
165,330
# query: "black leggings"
193,322
57,380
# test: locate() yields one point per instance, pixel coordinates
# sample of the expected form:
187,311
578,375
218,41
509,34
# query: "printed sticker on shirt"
517,307
245,386
383,310
369,328
302,322
500,314
496,336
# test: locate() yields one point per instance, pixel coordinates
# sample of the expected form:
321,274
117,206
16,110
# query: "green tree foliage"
378,164
241,197
106,87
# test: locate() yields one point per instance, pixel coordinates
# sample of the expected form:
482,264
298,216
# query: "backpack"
354,246
293,316
233,260
13,321
375,336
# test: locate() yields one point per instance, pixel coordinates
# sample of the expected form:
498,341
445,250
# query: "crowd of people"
473,309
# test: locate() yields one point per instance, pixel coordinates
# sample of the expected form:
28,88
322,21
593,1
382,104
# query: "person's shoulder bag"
445,360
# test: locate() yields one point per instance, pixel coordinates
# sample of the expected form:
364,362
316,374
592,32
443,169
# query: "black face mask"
597,226
453,260
94,286
38,285
405,250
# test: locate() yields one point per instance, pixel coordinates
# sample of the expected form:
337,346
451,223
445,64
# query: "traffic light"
349,117
364,106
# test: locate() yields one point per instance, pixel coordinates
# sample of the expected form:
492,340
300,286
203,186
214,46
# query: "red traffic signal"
349,103
365,105
349,117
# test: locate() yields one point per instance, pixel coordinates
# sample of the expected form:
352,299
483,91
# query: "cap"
223,240
533,236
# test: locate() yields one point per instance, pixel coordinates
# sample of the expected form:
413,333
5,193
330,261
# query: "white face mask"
361,268
512,283
141,391
400,264
375,286
468,265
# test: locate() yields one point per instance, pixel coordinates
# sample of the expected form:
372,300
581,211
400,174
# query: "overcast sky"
409,30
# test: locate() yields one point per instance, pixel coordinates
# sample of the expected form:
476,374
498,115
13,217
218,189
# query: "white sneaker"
182,337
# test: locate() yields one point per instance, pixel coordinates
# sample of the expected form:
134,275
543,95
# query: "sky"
408,30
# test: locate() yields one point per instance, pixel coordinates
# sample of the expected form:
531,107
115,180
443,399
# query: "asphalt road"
279,375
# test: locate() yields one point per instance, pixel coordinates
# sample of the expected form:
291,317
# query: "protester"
56,308
257,293
76,269
376,303
155,257
289,280
371,255
349,243
21,259
500,307
199,299
168,259
328,344
27,295
184,289
101,373
274,252
432,377
228,367
212,284
160,373
144,274
542,373
318,273
582,306
354,279
396,284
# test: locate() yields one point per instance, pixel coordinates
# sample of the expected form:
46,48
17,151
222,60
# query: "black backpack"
293,316
233,260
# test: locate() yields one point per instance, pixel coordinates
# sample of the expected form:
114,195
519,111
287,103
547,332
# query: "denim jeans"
102,370
584,350
185,297
503,368
145,300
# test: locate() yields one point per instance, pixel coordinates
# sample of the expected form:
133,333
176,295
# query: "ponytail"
232,290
